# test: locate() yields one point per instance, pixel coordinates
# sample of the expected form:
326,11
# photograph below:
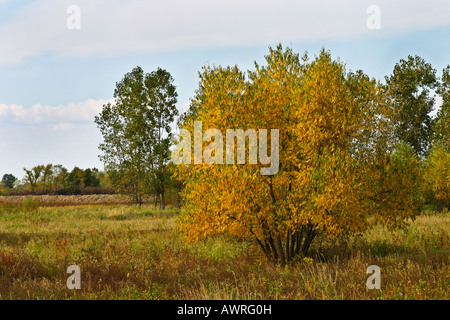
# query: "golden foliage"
335,169
437,175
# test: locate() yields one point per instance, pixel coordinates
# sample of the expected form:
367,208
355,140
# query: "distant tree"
8,180
410,88
32,176
60,175
47,175
75,179
104,179
90,178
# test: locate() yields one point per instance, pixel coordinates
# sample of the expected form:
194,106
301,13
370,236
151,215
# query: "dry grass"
68,200
125,252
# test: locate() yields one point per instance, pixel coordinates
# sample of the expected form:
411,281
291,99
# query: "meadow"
130,252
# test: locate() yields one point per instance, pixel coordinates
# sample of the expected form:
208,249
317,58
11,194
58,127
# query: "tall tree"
410,87
437,164
133,129
163,98
442,120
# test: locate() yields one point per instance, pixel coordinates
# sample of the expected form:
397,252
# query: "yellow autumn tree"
437,175
337,169
437,164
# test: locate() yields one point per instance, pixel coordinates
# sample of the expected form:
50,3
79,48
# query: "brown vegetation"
68,200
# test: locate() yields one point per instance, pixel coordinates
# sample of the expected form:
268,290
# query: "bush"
30,204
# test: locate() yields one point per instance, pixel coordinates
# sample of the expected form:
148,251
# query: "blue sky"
54,80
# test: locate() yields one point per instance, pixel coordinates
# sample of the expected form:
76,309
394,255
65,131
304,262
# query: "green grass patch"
127,252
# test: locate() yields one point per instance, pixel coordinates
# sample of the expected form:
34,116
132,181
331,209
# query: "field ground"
125,252
64,200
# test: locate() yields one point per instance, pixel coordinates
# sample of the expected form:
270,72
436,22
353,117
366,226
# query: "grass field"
125,252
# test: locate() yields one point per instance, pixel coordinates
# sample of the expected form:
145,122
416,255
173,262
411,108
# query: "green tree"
90,178
163,98
8,180
437,176
410,88
60,175
133,129
32,176
47,176
75,179
104,179
399,190
442,120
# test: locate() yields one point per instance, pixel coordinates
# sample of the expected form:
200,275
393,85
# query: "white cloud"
58,118
62,126
115,27
4,110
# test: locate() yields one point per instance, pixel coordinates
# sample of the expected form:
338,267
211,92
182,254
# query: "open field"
125,252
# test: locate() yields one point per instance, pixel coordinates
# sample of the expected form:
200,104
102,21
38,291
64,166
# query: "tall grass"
126,252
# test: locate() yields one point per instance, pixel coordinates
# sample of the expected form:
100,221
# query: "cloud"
61,117
62,126
117,27
4,110
57,118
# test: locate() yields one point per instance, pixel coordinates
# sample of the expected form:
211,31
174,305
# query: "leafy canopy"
136,130
338,171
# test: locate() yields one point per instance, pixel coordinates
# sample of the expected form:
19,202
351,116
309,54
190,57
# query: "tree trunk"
157,201
280,250
162,204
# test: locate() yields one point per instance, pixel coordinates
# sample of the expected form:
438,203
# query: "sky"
60,60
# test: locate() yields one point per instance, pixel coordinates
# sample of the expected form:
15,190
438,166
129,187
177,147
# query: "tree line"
56,179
